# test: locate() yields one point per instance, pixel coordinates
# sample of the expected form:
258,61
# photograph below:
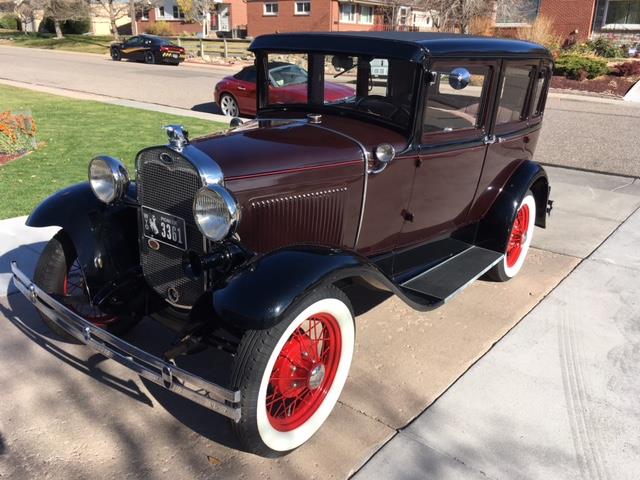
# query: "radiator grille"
170,188
314,217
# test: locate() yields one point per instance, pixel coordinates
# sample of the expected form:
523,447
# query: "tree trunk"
112,21
132,14
56,23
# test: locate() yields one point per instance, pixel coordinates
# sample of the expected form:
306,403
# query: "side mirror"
459,78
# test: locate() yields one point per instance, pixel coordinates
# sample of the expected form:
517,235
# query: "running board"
447,279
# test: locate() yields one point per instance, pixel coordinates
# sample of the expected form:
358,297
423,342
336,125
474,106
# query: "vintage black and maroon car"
148,49
248,241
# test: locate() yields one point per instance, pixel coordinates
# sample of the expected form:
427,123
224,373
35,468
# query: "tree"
198,11
458,14
25,11
115,9
62,10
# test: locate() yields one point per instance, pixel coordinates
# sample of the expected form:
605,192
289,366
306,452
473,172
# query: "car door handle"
241,88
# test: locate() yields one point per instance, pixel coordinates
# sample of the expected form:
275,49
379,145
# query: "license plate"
164,228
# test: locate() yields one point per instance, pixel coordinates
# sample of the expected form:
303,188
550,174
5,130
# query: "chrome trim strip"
367,156
167,375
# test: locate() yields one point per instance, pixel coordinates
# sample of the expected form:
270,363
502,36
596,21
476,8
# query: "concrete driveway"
70,414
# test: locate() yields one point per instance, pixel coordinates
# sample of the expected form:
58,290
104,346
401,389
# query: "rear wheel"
519,241
149,58
59,273
292,374
229,105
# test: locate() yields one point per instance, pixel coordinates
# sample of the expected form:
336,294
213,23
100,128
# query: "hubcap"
518,237
229,106
304,372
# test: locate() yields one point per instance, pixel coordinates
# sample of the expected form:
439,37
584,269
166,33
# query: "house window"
622,14
161,11
303,8
347,13
270,9
145,14
522,12
366,14
177,13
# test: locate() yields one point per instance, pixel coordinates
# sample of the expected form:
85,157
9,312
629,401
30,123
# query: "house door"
223,17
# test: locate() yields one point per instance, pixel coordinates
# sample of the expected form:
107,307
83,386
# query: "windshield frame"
315,91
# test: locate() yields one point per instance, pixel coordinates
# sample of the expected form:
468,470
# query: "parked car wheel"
149,58
292,374
519,241
59,273
229,105
116,55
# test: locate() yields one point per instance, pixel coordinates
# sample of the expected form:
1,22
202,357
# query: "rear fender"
105,236
494,229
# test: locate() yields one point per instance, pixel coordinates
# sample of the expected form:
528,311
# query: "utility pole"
132,14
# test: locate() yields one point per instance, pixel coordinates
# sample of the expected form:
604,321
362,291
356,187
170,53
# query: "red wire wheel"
76,297
304,372
518,237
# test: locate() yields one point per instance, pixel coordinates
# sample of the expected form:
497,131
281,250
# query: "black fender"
495,227
257,294
105,236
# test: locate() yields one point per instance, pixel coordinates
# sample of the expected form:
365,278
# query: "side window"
513,95
133,41
451,106
248,75
540,87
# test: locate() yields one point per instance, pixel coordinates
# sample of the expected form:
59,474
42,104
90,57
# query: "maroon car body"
252,240
240,89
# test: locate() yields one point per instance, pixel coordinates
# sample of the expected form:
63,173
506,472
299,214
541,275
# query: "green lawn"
73,132
74,43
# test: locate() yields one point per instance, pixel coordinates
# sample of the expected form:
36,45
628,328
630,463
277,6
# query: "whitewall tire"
292,374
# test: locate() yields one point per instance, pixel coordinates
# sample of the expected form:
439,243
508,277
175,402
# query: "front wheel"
116,56
229,105
59,274
291,375
519,241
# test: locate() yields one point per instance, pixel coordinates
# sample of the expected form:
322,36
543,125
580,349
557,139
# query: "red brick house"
582,19
228,18
270,16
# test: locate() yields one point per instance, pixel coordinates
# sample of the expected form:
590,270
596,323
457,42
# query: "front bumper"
160,372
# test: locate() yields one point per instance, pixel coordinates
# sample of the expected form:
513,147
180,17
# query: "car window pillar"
262,79
315,79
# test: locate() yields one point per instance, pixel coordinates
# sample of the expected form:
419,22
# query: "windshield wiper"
344,71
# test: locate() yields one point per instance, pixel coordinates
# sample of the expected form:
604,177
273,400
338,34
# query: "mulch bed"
609,85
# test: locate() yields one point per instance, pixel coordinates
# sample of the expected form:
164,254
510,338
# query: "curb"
123,102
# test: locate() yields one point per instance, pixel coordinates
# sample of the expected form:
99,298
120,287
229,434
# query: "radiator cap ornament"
178,137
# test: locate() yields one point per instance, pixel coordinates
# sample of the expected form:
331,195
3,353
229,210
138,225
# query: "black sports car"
148,48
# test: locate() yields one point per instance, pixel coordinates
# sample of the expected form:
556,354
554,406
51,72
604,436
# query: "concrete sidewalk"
558,397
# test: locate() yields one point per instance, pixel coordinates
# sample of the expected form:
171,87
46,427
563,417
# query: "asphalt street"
578,132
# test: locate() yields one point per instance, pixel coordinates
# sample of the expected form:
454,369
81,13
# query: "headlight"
109,178
215,211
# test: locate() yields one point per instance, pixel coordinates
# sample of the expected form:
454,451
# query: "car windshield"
359,86
283,76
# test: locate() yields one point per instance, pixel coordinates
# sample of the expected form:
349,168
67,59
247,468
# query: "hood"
270,146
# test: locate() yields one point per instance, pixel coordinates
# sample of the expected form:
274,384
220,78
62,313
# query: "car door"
514,127
245,90
452,148
130,48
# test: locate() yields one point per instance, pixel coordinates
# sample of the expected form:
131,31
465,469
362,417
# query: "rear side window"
540,86
513,95
449,109
248,75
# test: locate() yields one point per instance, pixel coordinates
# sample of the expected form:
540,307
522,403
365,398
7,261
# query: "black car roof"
413,46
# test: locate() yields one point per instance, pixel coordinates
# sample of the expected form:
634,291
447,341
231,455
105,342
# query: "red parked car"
236,94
